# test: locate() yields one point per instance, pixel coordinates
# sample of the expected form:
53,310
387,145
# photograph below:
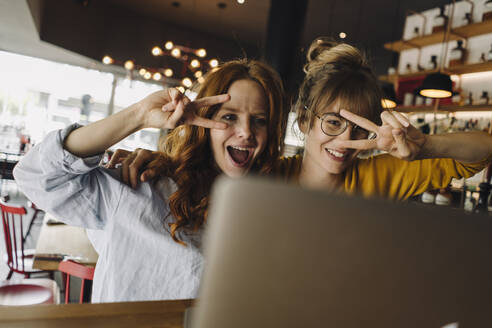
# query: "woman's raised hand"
170,108
396,135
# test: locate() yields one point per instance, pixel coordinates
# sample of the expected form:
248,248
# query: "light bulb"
198,74
169,45
195,63
240,2
181,89
213,63
342,35
156,51
157,76
176,52
201,52
129,65
142,71
168,72
107,60
147,75
388,103
187,82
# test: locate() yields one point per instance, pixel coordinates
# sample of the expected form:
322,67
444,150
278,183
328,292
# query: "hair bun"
325,53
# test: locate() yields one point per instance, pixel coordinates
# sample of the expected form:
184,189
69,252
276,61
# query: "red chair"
18,259
71,268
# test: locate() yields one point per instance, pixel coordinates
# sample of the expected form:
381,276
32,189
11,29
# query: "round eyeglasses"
332,124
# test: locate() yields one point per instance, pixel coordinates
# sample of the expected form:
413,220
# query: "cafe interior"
71,63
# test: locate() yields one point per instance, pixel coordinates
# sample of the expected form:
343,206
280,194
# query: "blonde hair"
337,72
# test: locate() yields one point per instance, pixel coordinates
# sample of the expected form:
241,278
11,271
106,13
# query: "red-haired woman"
149,238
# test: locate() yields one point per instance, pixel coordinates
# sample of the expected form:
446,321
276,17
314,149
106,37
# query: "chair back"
14,236
71,268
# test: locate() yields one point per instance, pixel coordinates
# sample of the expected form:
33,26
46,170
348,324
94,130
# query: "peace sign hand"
396,135
170,108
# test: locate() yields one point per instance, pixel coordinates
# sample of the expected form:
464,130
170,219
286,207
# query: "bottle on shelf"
469,100
408,68
468,18
482,57
484,98
432,63
483,200
487,10
458,55
416,32
457,98
440,21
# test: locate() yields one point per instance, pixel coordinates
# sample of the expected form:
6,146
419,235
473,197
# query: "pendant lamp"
389,96
437,85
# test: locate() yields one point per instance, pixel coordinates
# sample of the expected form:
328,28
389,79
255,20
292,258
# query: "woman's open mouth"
240,155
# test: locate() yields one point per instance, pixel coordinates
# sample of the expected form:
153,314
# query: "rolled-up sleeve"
75,190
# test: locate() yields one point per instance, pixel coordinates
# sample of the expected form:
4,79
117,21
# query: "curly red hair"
187,152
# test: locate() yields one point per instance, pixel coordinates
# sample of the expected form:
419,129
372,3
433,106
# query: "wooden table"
165,314
60,240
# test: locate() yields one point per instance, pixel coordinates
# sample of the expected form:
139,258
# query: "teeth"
241,148
335,153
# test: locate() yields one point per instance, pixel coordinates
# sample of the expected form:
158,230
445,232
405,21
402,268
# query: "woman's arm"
466,147
150,112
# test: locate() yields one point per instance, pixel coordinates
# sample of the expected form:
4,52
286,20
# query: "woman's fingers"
357,144
118,156
139,161
402,118
176,116
401,143
360,121
390,119
212,100
206,123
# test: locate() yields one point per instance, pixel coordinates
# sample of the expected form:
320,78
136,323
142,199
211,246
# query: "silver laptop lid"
280,256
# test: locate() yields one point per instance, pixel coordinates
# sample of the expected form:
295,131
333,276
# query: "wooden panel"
168,314
455,34
444,109
471,68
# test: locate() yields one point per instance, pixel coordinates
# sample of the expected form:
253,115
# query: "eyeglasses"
332,124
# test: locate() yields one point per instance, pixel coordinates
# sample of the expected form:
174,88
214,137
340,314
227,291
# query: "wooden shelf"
455,34
462,69
444,109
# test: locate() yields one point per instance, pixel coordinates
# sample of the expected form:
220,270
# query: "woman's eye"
334,123
229,117
260,121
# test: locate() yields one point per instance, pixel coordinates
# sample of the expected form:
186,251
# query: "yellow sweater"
389,177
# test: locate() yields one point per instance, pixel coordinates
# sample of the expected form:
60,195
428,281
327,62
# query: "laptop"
281,256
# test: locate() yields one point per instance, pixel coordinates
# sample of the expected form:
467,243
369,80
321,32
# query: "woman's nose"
244,130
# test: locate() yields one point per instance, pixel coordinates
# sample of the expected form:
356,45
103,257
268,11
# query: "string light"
187,82
176,52
107,60
157,76
213,63
201,52
198,74
181,89
168,72
342,35
129,65
195,63
156,51
147,75
142,71
169,45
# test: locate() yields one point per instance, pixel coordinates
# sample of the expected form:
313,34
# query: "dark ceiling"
129,28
